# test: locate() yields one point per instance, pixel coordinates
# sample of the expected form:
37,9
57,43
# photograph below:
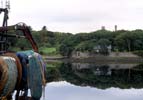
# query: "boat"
20,70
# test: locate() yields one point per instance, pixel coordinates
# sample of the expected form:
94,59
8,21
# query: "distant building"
109,48
103,28
98,49
115,28
78,54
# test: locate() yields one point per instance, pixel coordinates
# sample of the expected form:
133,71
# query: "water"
84,81
90,81
66,91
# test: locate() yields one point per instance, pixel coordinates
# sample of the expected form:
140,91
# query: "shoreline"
103,59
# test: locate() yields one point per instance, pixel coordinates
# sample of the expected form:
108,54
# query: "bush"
139,53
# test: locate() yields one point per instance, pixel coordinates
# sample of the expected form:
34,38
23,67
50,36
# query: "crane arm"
26,32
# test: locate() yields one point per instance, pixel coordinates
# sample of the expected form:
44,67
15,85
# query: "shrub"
139,53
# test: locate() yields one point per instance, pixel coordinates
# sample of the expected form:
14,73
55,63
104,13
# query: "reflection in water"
123,76
65,91
68,81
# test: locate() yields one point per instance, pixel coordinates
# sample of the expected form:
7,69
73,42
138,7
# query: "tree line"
66,43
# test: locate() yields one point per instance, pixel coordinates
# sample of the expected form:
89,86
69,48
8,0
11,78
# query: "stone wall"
122,54
112,54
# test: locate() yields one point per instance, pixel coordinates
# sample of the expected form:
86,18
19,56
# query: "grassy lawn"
48,51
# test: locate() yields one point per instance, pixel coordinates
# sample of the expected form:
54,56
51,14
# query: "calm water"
85,81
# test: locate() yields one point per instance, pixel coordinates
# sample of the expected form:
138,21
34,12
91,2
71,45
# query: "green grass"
48,51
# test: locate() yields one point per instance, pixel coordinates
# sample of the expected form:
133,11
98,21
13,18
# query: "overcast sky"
78,15
67,91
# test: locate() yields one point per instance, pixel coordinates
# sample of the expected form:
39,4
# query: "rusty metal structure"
5,29
20,30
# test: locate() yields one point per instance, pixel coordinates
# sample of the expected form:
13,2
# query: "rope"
12,76
4,74
24,63
35,78
42,67
34,75
19,68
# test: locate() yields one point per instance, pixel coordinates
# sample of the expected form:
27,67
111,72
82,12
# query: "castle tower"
103,28
115,28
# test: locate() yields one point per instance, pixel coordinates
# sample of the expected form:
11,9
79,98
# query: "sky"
66,91
77,15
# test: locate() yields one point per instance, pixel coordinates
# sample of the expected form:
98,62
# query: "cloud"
78,15
66,91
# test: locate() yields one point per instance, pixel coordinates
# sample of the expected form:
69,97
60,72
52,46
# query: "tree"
44,28
123,41
130,40
86,45
104,44
65,50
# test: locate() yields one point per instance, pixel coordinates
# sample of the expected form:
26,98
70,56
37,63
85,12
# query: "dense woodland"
58,43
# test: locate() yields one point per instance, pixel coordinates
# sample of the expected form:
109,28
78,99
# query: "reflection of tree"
52,72
121,78
97,76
